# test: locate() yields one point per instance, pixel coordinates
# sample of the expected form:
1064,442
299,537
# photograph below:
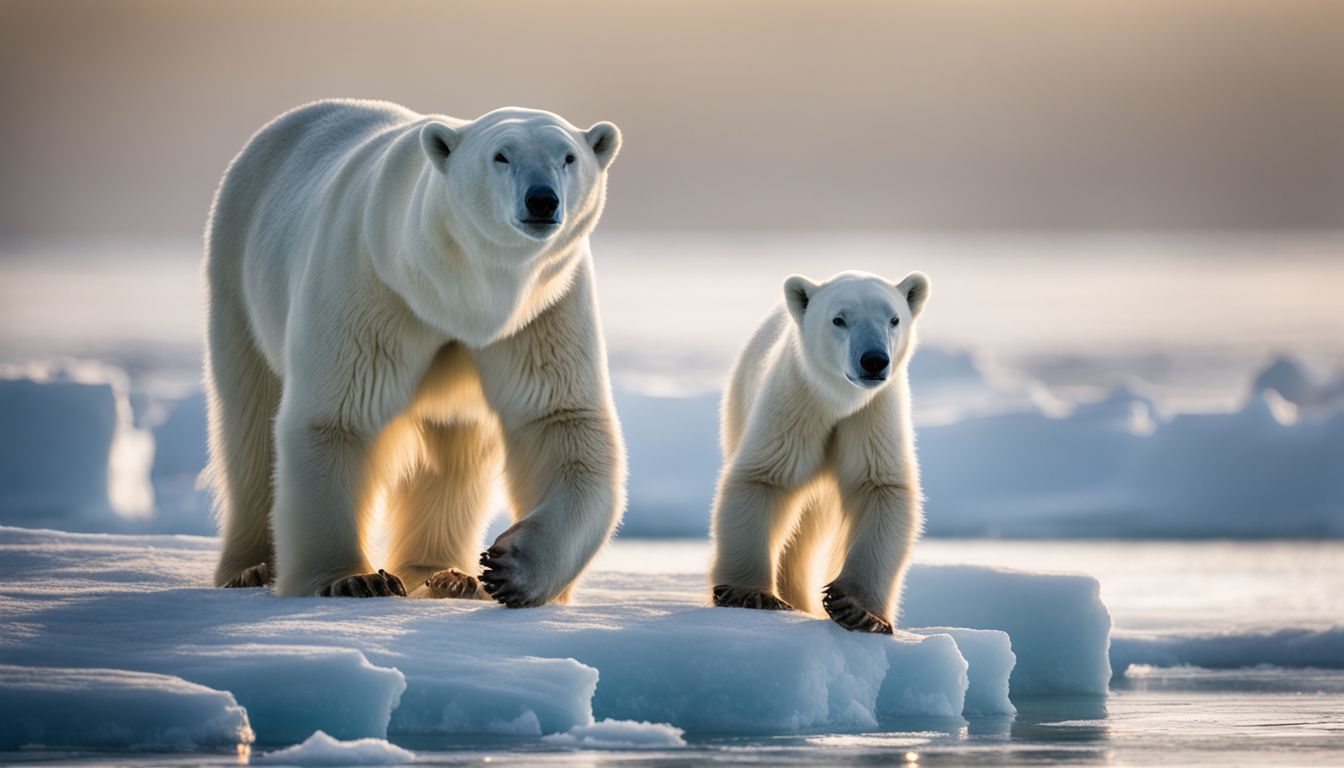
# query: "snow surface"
114,708
634,647
321,749
619,734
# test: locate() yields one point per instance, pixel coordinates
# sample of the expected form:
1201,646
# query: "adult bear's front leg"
564,460
321,477
566,474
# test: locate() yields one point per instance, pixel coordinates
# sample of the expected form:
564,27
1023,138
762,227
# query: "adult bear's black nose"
541,202
874,361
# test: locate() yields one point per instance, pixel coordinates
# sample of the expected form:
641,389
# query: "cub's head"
856,325
523,175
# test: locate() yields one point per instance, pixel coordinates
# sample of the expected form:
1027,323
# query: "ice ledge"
635,648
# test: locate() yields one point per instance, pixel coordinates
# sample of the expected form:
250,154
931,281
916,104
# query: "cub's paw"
259,575
745,597
380,584
510,572
845,610
453,583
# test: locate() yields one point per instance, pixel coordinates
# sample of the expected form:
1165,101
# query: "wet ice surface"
1153,716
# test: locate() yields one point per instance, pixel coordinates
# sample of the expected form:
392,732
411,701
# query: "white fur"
821,481
381,322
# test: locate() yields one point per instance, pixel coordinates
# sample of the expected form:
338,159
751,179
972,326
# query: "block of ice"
289,690
321,749
990,661
1058,625
619,734
113,708
927,677
55,444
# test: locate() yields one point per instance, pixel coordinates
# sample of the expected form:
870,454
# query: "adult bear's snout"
541,202
874,362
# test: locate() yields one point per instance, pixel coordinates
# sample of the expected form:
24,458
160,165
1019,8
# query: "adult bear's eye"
569,159
500,158
895,321
838,322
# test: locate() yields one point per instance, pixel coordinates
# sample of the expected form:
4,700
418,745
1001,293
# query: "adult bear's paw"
512,572
452,583
380,584
259,575
745,597
846,611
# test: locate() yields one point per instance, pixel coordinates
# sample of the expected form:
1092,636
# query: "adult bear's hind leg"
243,397
438,512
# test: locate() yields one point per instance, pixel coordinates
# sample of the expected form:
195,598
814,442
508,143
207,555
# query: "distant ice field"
1190,314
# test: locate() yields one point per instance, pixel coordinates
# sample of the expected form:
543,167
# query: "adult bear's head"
523,175
856,327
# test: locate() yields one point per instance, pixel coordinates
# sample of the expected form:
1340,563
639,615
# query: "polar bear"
820,482
401,308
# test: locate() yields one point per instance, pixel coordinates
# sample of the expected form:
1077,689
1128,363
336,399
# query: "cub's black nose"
541,202
874,362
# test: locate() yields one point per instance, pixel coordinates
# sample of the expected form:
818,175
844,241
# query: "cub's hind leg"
810,556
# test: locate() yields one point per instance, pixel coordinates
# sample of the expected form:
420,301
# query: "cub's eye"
838,322
500,158
569,159
895,321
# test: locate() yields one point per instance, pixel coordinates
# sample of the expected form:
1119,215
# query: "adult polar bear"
821,468
400,306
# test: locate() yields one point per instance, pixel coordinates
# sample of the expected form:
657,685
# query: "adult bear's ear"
915,288
798,291
605,140
438,140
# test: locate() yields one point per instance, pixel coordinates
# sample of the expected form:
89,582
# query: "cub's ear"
798,291
605,140
915,288
438,140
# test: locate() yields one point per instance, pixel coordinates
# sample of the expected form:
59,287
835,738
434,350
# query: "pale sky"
120,116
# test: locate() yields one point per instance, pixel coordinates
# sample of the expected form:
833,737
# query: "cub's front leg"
879,483
750,516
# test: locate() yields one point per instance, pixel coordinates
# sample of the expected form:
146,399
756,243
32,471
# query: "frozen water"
321,749
1288,647
619,734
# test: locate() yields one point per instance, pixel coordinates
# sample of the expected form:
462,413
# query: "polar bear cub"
820,482
403,309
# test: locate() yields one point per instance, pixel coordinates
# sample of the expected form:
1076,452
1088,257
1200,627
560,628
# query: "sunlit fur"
381,327
820,481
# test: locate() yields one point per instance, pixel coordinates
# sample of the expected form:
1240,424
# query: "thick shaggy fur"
388,322
821,483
